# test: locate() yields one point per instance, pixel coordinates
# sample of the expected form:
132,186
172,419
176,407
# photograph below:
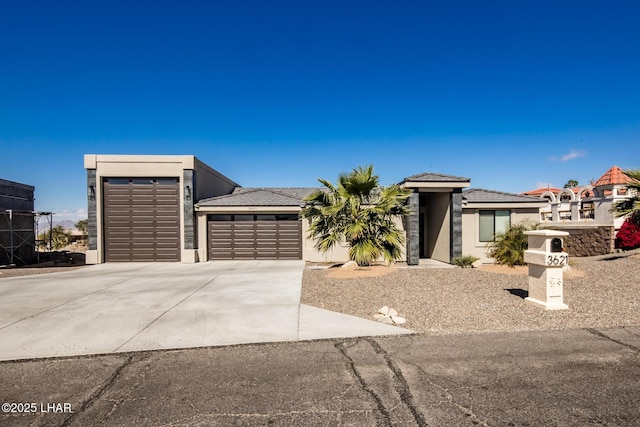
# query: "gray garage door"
255,237
141,219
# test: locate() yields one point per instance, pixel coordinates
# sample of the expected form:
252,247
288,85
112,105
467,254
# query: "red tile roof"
614,176
539,191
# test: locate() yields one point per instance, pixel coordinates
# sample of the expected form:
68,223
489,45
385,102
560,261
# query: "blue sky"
512,94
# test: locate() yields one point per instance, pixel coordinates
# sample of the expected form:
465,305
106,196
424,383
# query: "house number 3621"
556,260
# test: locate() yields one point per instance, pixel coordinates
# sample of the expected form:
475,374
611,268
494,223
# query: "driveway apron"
149,306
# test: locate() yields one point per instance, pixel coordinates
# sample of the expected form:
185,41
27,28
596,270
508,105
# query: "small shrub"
464,261
628,236
508,248
57,236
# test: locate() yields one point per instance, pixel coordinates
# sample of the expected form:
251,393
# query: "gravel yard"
29,271
601,293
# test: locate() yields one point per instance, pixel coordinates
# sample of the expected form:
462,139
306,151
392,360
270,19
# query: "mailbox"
556,245
546,260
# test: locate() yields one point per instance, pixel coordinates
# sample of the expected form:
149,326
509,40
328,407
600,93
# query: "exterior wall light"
91,192
187,193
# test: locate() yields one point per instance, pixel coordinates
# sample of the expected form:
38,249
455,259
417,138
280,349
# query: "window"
265,217
115,181
212,217
492,223
167,181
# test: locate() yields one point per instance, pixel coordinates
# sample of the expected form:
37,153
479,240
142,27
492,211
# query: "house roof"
539,191
260,197
614,176
480,195
435,177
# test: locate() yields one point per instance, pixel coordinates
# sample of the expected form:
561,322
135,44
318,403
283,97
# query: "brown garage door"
255,237
141,219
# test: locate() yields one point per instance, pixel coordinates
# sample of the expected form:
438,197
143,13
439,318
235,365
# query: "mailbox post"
546,259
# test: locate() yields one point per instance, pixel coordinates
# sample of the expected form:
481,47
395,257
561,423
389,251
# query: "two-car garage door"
141,219
255,236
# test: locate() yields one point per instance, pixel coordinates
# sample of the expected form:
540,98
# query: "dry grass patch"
358,272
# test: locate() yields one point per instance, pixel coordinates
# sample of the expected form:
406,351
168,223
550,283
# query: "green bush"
464,261
57,236
508,248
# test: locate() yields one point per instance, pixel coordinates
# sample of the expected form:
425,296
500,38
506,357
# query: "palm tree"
630,206
359,211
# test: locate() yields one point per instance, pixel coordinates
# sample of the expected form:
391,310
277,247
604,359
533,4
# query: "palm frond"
360,211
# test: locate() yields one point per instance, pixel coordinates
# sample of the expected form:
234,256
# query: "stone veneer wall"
588,240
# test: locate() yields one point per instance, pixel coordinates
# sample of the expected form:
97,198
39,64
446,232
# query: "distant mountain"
67,224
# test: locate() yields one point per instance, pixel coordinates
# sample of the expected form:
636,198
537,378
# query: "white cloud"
572,154
70,214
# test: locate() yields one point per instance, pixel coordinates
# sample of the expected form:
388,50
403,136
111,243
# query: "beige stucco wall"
339,253
210,182
471,244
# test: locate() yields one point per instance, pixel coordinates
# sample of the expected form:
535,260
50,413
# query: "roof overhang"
435,186
504,205
247,209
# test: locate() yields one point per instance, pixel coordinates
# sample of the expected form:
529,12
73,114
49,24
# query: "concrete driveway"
125,307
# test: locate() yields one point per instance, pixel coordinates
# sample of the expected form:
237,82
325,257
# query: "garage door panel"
288,246
270,235
166,214
244,255
289,255
244,239
142,220
267,246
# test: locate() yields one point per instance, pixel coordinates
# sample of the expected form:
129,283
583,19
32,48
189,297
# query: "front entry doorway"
435,225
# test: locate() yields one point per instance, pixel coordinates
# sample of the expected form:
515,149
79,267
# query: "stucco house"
176,208
588,204
585,212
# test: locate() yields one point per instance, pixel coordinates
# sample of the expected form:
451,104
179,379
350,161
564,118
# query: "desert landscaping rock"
350,264
389,316
600,292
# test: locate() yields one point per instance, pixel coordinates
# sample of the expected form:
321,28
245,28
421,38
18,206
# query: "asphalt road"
558,378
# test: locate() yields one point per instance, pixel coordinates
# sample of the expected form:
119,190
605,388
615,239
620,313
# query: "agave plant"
360,211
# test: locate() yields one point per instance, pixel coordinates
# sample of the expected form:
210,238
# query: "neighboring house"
486,213
17,236
587,205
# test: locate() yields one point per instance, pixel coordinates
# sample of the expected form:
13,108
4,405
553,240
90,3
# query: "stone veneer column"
456,223
413,230
92,211
189,180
